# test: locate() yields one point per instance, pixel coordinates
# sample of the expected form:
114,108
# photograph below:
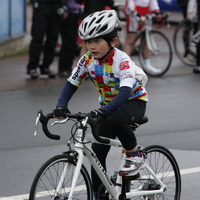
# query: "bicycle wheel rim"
47,180
160,57
179,45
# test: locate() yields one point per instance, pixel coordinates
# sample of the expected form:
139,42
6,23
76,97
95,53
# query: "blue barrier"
169,5
12,19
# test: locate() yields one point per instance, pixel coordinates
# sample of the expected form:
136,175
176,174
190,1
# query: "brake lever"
60,122
36,123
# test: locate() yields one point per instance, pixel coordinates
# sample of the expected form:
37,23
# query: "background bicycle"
184,46
158,44
59,179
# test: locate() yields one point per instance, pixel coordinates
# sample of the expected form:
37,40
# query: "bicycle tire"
179,42
46,180
163,163
161,60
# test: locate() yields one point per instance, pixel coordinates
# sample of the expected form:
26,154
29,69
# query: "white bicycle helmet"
98,24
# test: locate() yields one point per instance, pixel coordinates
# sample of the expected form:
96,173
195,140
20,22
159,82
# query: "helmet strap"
103,57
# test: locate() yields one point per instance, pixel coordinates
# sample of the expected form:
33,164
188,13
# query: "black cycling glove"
61,111
96,115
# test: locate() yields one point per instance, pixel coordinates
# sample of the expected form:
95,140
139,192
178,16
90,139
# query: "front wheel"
53,181
155,55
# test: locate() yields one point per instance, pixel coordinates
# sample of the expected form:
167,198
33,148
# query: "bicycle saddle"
135,125
144,120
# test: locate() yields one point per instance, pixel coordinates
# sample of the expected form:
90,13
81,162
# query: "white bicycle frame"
196,37
151,44
84,147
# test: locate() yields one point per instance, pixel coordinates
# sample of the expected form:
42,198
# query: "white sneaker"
149,68
132,166
190,58
196,70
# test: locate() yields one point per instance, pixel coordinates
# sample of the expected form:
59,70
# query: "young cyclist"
121,95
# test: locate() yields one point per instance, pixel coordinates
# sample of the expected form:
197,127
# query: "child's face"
98,47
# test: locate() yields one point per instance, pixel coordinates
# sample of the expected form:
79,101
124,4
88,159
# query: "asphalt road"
173,111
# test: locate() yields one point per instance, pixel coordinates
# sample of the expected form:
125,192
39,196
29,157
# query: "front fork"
76,172
78,153
151,44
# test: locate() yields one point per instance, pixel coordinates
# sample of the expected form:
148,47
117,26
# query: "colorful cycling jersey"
116,71
142,7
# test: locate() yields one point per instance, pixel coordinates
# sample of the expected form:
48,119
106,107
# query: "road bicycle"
65,177
158,45
184,45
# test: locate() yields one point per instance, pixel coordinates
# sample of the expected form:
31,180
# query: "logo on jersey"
76,74
124,65
127,75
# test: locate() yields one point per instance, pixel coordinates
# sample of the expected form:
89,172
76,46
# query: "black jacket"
48,1
182,2
95,5
198,12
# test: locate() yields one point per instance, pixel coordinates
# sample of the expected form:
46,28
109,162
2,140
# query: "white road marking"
25,196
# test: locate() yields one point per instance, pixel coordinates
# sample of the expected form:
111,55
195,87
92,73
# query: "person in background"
197,67
45,25
122,95
183,5
69,34
91,6
133,9
188,54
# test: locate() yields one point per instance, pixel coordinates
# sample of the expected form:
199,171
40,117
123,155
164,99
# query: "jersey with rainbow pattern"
116,71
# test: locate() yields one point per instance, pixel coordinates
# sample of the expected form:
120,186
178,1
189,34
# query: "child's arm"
118,102
66,94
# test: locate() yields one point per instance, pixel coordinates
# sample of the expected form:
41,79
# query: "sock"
147,61
136,153
94,195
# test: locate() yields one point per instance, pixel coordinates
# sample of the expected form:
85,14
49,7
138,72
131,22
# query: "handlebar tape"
97,137
44,120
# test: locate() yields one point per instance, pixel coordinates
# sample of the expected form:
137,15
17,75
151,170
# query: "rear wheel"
163,163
